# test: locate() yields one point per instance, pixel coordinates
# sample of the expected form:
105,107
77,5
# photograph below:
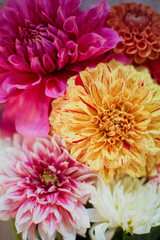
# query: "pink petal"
7,123
72,51
36,65
40,213
94,17
48,6
70,26
154,68
89,44
23,209
3,95
48,63
31,233
49,225
120,57
20,80
15,193
62,58
57,214
69,6
11,16
19,63
111,36
95,44
78,81
66,203
19,6
32,115
56,86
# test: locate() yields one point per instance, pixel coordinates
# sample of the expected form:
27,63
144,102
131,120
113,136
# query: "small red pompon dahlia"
139,26
42,43
42,186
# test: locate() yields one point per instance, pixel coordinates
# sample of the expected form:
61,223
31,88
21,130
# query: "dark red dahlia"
139,26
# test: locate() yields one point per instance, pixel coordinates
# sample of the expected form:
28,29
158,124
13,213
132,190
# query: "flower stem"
17,236
58,236
125,235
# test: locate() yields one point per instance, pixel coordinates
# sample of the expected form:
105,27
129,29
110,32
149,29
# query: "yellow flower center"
49,177
116,124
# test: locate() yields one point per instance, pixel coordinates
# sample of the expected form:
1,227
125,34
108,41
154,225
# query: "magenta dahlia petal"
32,116
154,68
3,95
41,41
7,123
41,184
120,57
19,63
56,86
94,17
19,80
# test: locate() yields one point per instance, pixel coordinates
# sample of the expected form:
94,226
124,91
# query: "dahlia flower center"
40,45
30,33
116,124
49,177
136,19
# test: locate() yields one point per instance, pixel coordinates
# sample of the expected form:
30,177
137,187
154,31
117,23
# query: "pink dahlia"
42,186
42,43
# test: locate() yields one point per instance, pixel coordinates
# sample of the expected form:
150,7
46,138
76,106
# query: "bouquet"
80,120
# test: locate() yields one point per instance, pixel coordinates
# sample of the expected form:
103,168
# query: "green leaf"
153,235
118,234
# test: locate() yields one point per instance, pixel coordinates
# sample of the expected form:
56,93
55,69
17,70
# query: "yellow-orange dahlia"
139,26
110,118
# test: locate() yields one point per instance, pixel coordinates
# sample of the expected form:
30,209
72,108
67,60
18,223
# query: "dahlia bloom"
126,203
42,185
110,119
139,26
42,43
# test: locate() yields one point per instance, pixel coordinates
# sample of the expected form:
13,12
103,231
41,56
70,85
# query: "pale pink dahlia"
42,186
42,43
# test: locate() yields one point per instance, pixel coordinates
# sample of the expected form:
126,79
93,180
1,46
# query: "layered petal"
43,188
43,52
109,118
32,115
138,25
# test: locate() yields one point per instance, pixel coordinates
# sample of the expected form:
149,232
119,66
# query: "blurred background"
5,227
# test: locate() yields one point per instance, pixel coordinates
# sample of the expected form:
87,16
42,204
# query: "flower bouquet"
80,120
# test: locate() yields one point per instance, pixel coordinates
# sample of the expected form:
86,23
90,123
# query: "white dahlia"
128,203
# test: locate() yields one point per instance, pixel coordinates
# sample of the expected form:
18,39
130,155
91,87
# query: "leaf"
153,235
118,234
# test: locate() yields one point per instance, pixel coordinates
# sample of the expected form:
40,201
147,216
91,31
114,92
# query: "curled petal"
20,80
56,86
70,26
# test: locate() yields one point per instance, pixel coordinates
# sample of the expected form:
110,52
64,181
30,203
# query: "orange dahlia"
139,26
110,119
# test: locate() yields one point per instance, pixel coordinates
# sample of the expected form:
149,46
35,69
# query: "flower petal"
56,86
32,116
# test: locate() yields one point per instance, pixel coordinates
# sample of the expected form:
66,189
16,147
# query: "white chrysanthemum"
126,203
